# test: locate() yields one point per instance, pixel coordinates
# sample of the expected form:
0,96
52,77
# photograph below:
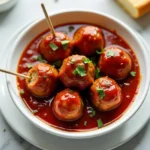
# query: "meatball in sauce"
88,40
77,71
43,80
115,63
105,94
68,105
55,48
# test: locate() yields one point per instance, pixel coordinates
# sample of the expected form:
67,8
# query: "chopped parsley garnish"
99,123
35,57
80,71
57,63
21,91
29,66
45,76
35,111
86,60
53,46
101,93
40,59
72,61
110,53
71,28
70,90
93,113
99,51
97,73
65,44
133,73
85,123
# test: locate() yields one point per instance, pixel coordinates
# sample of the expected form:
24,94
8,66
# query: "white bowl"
6,4
84,16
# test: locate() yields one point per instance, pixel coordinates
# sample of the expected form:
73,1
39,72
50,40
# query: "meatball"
88,40
115,63
105,94
56,48
43,80
77,71
68,105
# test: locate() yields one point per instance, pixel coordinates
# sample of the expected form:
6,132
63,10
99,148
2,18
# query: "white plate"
44,140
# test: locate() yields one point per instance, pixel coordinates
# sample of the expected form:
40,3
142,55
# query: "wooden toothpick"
49,22
16,74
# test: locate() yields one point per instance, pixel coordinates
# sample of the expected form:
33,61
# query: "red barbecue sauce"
42,106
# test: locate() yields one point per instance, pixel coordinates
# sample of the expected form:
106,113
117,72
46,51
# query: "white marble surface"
27,10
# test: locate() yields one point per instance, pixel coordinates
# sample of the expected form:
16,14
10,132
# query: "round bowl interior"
73,17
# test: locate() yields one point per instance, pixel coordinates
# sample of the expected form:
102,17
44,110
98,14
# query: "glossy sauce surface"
41,108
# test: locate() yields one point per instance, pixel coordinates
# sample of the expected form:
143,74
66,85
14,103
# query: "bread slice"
136,8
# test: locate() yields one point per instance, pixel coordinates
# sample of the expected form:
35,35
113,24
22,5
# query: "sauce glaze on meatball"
43,80
77,71
56,48
105,94
115,63
88,40
68,105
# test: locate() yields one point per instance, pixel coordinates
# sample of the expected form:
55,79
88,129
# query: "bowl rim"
93,133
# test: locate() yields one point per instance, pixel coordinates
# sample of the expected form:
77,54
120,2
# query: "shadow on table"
135,142
144,21
4,15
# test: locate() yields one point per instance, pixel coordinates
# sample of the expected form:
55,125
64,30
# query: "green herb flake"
70,91
35,111
99,123
97,75
72,61
133,73
101,93
65,44
93,113
71,28
110,53
21,91
80,71
35,57
40,59
85,123
45,76
53,46
29,66
99,51
86,60
57,63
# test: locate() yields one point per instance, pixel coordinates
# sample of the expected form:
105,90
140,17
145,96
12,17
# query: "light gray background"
26,11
